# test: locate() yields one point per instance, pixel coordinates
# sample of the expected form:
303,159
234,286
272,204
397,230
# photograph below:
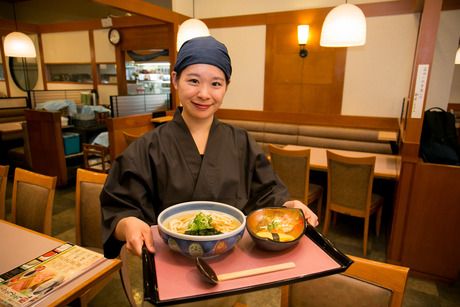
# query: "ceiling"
57,11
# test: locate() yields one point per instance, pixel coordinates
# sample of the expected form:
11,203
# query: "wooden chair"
32,200
20,156
349,191
364,283
132,124
96,158
3,181
89,185
293,168
129,137
47,144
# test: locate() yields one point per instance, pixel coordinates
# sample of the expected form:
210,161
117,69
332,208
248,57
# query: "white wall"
66,47
442,71
371,87
246,46
213,8
103,49
377,75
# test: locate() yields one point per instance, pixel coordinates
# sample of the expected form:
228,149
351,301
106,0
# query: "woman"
193,157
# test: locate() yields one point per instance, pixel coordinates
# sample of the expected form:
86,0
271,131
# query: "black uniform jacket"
164,167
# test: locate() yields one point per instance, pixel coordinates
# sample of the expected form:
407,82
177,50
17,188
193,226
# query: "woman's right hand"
135,233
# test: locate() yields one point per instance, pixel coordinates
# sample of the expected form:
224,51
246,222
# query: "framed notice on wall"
420,90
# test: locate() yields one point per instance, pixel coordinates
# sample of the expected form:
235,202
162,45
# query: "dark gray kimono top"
164,167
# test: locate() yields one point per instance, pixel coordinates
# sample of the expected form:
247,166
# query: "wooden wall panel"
302,85
431,241
143,38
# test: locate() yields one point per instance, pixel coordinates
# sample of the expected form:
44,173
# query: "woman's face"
201,89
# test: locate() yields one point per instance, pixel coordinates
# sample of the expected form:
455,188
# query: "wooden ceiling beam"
147,9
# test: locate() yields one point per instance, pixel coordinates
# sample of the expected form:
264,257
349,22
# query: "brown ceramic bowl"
276,228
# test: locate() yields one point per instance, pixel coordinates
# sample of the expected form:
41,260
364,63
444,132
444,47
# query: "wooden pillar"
412,125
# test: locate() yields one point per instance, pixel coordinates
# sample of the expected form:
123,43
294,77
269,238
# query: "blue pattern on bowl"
201,246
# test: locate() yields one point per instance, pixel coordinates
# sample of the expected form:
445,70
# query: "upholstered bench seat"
356,139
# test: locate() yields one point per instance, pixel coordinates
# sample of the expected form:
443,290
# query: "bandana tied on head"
204,50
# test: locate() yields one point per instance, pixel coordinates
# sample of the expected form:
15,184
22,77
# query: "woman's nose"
203,91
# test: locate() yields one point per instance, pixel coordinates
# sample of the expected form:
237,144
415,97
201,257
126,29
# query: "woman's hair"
204,50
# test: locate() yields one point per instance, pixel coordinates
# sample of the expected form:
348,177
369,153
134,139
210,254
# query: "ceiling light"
189,29
18,44
344,26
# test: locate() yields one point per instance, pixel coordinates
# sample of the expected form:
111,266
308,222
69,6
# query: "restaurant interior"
100,77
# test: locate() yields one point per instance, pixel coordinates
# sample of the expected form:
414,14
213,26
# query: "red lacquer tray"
170,278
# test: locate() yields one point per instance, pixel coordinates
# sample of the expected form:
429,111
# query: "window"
79,73
107,73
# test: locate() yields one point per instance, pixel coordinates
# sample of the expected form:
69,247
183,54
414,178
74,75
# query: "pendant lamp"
344,26
18,44
189,29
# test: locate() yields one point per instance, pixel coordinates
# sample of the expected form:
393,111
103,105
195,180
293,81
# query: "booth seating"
355,139
12,109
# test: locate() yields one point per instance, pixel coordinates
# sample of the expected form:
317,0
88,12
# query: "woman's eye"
216,84
193,81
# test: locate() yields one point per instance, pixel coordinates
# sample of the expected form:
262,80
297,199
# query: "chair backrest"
25,135
365,283
129,137
32,200
133,124
47,144
88,221
3,181
89,185
96,158
293,168
349,181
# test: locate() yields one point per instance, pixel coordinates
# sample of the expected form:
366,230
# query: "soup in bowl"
276,228
201,228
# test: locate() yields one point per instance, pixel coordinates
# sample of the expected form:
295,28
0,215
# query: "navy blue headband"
204,50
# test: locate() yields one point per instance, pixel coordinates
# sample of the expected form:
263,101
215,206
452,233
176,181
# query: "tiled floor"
419,292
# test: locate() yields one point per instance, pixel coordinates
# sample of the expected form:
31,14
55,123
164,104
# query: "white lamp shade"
344,26
302,34
189,29
457,57
19,45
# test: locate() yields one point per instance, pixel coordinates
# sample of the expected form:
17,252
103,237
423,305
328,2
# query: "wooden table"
20,245
386,166
10,131
161,120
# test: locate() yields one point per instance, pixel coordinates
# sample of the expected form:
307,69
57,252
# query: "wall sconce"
302,38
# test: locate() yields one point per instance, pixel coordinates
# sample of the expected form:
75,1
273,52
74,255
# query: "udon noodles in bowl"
201,228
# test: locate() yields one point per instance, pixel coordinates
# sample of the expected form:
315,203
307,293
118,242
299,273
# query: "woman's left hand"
311,217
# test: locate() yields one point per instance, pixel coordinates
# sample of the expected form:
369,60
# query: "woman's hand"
311,217
135,233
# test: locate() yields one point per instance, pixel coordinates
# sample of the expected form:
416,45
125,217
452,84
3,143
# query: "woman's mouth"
202,107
